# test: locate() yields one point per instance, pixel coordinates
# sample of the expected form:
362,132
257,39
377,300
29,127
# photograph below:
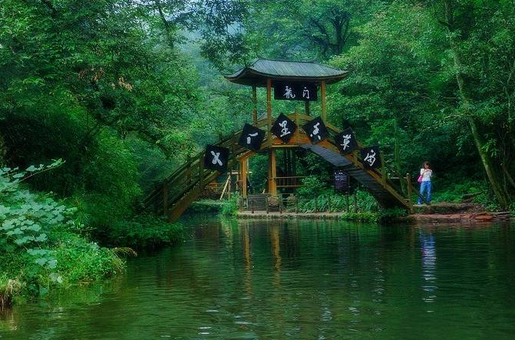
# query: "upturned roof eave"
242,77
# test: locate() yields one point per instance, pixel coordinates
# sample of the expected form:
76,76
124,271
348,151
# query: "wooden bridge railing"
185,184
173,195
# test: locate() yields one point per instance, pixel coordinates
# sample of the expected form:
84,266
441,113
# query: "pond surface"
296,280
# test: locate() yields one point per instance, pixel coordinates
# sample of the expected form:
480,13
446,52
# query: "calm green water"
296,280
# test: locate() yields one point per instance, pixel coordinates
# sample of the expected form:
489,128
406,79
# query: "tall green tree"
481,41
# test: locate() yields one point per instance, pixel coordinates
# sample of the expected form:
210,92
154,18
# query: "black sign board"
284,128
216,158
371,157
316,130
346,141
295,91
341,181
251,137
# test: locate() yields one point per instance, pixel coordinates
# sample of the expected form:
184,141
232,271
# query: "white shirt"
426,174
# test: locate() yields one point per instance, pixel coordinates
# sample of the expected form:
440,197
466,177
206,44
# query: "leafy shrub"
231,206
312,186
315,196
454,191
38,246
28,218
83,261
487,199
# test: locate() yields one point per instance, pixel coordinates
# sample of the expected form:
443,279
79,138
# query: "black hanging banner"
346,141
295,91
316,130
341,181
371,157
251,137
216,158
284,128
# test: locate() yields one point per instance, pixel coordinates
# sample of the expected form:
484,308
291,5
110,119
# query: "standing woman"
425,182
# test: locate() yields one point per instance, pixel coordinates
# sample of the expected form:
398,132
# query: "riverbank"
357,217
288,215
456,213
436,213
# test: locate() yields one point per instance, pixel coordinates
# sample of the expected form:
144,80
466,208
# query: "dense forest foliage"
123,91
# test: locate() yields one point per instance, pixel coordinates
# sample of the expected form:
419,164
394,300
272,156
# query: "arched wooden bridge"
184,185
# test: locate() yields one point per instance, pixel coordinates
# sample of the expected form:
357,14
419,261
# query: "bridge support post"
272,172
243,176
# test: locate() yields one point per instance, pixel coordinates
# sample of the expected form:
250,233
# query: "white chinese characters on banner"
249,137
346,141
284,128
288,93
216,158
345,144
293,90
305,93
316,130
370,158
